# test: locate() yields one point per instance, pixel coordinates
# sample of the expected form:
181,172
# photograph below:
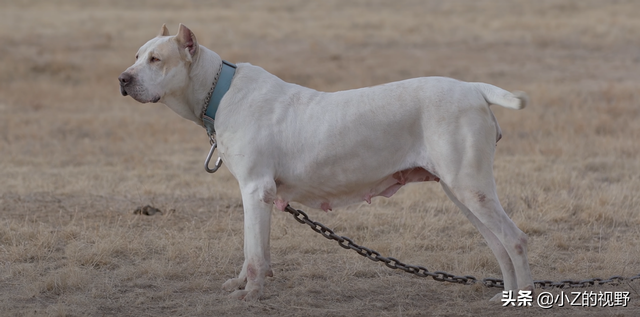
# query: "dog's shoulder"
255,74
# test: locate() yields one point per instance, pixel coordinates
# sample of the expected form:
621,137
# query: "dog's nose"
125,79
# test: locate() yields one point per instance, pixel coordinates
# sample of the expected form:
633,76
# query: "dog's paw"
233,284
496,297
247,296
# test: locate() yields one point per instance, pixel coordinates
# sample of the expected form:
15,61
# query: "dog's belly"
343,194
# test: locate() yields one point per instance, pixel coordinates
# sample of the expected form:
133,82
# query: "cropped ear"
164,31
187,40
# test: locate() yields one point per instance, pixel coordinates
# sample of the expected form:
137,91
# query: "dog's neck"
221,84
202,73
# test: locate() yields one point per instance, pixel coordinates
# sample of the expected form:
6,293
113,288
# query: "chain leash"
439,276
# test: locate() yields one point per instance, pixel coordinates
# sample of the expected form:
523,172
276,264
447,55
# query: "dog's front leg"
257,261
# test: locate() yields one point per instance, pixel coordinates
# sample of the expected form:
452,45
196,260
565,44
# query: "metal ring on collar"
214,145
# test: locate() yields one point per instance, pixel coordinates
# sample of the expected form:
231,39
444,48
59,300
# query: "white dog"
284,142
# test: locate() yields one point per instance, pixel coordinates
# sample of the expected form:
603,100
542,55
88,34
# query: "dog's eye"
136,56
154,59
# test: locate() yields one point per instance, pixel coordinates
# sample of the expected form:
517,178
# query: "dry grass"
76,158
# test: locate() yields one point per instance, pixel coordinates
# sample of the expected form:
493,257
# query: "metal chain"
210,93
439,276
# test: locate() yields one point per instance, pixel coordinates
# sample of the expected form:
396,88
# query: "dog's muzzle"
125,79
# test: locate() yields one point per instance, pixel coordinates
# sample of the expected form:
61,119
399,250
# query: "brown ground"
76,158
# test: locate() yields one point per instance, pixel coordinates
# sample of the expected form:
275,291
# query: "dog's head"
162,66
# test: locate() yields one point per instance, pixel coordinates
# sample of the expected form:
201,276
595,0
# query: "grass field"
76,158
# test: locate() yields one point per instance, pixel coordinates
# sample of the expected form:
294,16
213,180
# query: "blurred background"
76,158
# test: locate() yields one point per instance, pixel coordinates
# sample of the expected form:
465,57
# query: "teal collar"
220,86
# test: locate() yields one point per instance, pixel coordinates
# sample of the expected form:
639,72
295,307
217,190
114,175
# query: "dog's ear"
187,40
164,31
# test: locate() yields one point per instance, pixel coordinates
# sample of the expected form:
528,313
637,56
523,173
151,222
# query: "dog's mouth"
140,99
137,96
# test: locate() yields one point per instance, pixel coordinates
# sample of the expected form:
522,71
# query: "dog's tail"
498,96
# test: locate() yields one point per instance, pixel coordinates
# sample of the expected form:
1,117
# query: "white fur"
284,142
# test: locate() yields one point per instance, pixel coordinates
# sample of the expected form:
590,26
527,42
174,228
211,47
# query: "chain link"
440,276
210,93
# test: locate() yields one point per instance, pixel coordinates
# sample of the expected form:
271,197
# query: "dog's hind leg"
480,204
465,170
476,197
499,251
